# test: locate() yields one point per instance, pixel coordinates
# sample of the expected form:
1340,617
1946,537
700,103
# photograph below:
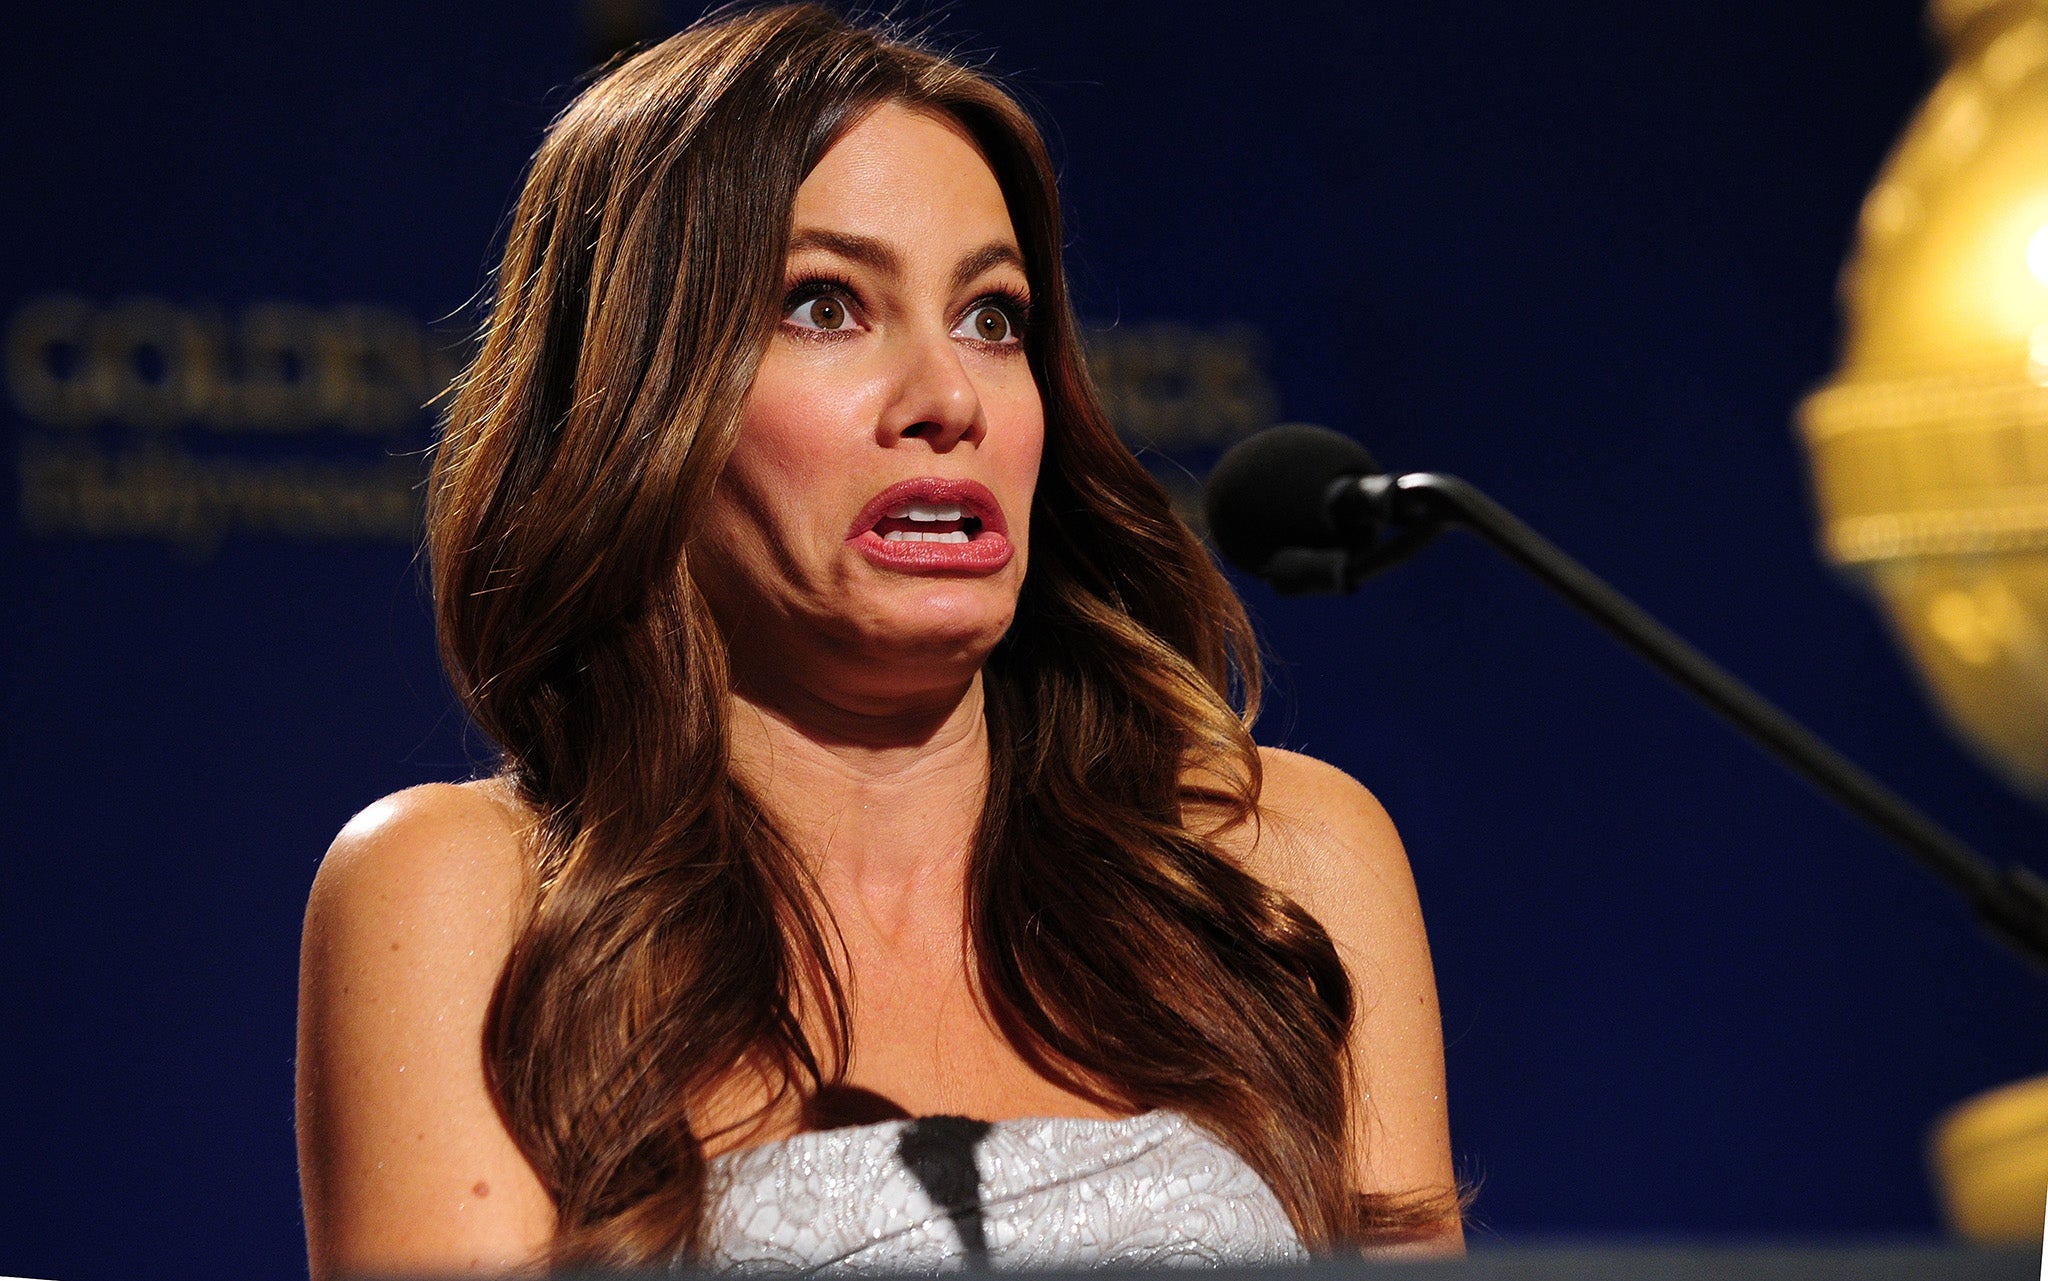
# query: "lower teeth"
919,536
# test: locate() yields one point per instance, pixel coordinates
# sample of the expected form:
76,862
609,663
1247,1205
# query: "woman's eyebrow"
865,250
992,254
876,254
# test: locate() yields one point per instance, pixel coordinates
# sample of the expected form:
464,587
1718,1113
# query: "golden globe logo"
278,366
147,419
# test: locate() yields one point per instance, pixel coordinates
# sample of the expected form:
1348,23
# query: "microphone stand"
2011,903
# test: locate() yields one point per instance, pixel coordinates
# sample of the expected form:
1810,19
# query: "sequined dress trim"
1044,1192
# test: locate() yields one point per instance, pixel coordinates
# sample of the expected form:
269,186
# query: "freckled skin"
396,1125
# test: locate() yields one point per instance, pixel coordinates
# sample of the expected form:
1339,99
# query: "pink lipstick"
930,525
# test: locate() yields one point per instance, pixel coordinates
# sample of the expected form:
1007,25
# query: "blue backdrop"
1581,253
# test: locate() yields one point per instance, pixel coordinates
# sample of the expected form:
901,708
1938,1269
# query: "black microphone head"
1272,492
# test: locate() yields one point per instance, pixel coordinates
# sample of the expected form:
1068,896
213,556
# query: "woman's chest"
937,1051
918,1046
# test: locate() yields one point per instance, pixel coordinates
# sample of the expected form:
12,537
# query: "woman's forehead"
908,177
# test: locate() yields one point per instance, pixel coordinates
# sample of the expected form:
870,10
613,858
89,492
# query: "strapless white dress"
943,1193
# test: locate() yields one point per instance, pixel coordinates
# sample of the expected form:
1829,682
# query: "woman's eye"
989,322
825,312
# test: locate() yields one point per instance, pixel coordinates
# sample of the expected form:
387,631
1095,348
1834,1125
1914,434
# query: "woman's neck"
882,804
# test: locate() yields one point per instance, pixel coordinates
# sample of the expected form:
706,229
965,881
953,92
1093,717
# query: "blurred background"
1583,254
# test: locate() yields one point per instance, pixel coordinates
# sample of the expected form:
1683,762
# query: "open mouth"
933,525
928,523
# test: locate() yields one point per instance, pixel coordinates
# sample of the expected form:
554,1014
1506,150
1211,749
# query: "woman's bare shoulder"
1319,837
405,1164
449,853
1317,832
438,838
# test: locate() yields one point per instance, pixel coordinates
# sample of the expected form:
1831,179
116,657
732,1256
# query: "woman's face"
870,532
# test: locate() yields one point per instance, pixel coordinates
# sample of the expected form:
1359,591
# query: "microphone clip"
1376,521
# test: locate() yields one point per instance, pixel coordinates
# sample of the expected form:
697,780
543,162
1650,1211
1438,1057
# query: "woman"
819,810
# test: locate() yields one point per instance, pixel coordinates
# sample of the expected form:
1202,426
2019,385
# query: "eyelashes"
819,305
813,287
1013,304
825,306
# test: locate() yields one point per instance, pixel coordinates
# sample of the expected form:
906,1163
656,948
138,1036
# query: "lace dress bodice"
940,1193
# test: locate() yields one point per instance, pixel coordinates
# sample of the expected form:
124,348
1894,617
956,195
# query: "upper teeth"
927,511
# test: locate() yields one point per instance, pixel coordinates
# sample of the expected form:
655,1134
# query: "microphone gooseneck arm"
2011,903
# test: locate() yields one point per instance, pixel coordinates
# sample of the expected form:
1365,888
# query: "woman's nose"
936,401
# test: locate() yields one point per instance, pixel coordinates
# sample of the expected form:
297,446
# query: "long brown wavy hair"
676,935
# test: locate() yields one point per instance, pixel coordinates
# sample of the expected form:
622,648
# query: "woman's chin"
923,612
943,636
959,647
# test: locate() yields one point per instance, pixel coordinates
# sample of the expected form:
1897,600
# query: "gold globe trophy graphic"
1930,469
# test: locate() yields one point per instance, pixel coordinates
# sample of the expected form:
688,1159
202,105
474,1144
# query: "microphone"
1308,510
1302,507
